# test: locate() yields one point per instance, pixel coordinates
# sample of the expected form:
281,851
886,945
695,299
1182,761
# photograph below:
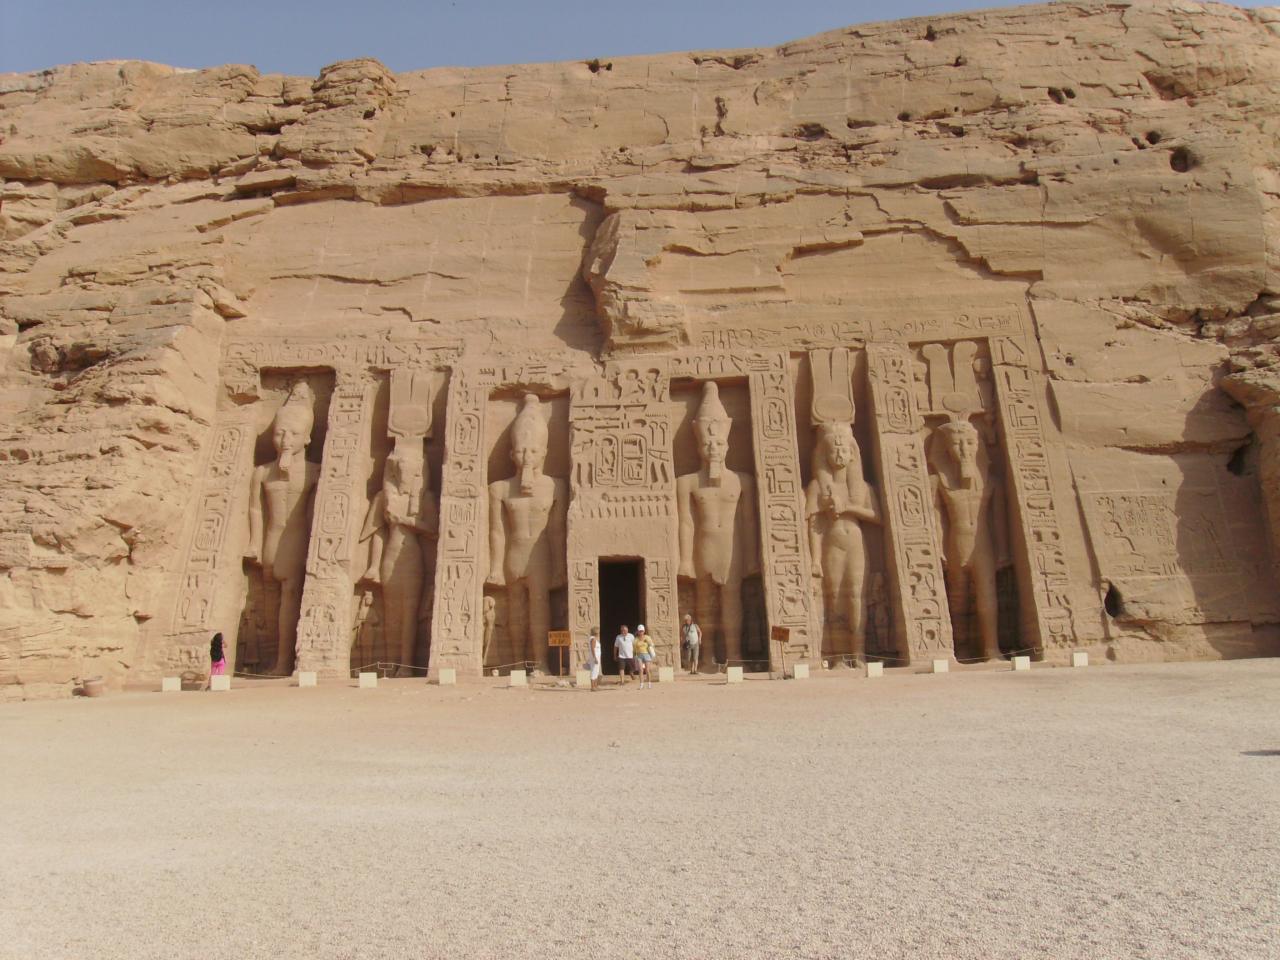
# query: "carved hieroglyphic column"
324,637
784,557
623,496
457,624
1043,571
205,602
922,620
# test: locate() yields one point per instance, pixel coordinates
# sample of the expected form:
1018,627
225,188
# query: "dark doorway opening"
621,601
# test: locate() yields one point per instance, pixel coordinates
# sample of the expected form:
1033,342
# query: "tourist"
624,647
691,640
217,658
644,656
593,657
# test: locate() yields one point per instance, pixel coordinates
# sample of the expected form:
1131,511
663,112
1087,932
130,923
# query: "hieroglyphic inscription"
1136,533
323,640
1035,501
584,606
457,626
245,358
846,332
205,564
785,561
661,601
923,621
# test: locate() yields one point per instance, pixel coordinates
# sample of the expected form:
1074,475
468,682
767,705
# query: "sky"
294,37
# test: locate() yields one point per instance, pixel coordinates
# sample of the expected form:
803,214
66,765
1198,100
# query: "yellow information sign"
559,638
780,634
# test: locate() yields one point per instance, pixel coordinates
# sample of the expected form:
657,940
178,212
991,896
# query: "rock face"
990,300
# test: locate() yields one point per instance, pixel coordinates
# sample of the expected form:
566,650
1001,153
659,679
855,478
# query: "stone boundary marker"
368,681
448,677
800,671
1079,659
171,685
666,674
875,670
733,675
221,683
518,678
306,678
940,666
582,678
1021,663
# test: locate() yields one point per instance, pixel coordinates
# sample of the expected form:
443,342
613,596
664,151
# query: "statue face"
528,454
289,436
401,474
962,445
837,445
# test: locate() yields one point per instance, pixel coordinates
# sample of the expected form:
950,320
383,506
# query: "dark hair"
215,648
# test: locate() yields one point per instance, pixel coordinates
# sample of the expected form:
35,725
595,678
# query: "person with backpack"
691,640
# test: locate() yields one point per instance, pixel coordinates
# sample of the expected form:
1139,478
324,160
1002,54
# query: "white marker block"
941,666
875,670
1079,658
666,674
1021,663
582,678
306,678
734,675
220,683
368,681
518,678
448,677
171,685
800,671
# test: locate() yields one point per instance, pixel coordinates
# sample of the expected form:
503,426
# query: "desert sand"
1118,811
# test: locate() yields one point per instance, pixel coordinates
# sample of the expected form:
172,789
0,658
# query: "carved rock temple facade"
916,340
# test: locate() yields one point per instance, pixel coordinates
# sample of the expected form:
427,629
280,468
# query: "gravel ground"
1118,811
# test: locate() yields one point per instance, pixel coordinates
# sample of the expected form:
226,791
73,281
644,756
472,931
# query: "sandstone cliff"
1114,165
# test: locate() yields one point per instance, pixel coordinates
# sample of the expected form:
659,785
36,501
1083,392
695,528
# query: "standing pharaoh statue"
280,503
401,515
718,538
838,501
965,488
527,548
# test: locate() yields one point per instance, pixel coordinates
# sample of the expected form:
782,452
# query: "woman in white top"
593,657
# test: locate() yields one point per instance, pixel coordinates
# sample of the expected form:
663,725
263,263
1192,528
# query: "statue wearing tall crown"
719,544
280,502
527,522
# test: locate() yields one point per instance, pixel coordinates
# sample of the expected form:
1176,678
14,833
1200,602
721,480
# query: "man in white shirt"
691,637
624,650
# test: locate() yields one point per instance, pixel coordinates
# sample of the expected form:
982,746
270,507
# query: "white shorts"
595,670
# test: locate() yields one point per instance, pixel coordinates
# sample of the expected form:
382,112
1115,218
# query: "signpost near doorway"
561,639
781,636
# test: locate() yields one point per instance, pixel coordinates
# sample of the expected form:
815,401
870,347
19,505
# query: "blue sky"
289,36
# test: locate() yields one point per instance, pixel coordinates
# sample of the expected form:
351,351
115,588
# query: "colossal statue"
718,534
966,489
283,491
838,501
401,514
527,548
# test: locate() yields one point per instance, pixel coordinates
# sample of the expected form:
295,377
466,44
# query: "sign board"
559,638
780,634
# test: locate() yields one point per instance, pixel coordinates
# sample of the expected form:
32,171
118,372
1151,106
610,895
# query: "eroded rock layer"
990,303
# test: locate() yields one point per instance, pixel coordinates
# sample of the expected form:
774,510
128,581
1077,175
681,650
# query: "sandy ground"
1099,813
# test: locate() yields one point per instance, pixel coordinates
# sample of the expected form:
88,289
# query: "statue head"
404,469
836,447
711,427
291,429
961,441
529,442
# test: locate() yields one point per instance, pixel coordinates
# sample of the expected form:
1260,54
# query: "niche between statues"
525,593
395,556
843,507
719,569
291,423
970,474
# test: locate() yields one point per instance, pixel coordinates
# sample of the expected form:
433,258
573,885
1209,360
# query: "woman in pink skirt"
217,658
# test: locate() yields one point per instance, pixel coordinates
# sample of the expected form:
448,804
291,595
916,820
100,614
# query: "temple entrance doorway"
621,601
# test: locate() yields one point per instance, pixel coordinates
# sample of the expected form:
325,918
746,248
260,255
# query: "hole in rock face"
810,131
930,34
1181,160
1153,137
959,61
904,116
1056,95
1236,463
370,114
1069,93
1113,603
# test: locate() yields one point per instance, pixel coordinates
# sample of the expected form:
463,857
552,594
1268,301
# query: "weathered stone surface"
1085,195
